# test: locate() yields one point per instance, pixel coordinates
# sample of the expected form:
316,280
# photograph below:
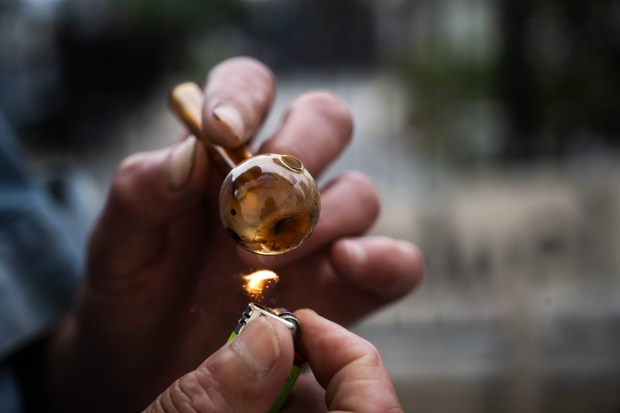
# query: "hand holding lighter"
291,322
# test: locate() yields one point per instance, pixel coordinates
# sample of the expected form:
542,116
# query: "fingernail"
229,116
357,255
181,162
257,346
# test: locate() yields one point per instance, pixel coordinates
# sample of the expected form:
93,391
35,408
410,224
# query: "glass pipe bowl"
269,203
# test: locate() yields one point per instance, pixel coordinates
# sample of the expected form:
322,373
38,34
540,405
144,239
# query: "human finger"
243,376
349,207
352,277
349,368
238,95
307,396
381,265
149,192
316,128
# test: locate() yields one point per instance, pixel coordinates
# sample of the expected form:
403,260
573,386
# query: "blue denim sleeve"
9,392
39,263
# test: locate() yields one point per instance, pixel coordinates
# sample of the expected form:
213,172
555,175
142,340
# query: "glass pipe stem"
186,102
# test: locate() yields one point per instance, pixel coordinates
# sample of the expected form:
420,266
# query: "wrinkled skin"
347,373
161,291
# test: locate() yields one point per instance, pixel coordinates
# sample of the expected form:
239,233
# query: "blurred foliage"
580,82
184,12
442,76
555,75
490,79
441,83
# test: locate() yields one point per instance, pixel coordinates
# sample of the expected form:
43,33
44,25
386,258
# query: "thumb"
149,193
243,376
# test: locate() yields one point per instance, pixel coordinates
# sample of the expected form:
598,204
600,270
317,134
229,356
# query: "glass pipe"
269,203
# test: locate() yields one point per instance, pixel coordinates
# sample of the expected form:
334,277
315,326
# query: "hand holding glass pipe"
269,203
161,289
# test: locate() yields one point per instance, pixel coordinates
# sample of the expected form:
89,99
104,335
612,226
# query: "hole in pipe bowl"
269,204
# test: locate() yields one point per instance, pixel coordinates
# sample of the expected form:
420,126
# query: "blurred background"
490,128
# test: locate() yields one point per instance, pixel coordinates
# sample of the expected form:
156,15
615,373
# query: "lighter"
291,322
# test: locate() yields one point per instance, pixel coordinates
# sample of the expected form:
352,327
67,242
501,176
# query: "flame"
259,282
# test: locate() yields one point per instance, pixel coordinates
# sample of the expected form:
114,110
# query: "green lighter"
291,322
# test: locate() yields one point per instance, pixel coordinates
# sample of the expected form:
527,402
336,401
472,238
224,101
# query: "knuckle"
133,184
197,392
246,64
183,395
131,164
366,192
368,354
123,186
240,74
329,105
